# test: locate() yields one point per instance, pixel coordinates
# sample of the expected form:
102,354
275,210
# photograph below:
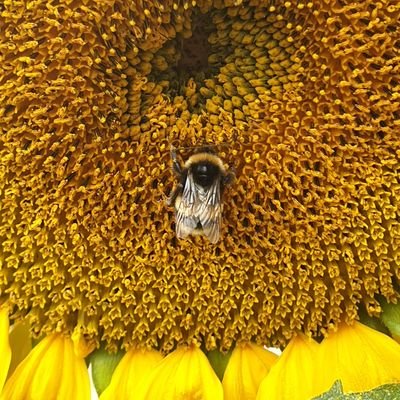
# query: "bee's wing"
186,214
210,211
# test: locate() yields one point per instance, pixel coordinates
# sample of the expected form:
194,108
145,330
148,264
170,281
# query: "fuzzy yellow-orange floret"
302,99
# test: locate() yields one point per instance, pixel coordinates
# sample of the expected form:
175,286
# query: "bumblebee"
197,198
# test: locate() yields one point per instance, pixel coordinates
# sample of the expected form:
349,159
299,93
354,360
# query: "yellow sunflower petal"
18,386
50,370
247,367
75,382
82,347
5,349
134,367
292,377
185,374
20,343
47,376
360,357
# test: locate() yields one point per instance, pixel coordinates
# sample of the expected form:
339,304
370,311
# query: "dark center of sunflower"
225,58
182,63
194,50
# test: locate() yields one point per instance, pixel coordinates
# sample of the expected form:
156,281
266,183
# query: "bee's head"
205,172
205,167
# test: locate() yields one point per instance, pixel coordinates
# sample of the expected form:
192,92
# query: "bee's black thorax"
205,173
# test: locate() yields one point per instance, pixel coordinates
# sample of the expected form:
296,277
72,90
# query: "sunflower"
300,99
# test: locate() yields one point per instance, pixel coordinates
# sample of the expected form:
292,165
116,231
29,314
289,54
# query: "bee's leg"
171,199
176,167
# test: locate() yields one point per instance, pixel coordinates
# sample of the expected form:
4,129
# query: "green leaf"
373,322
335,392
103,366
219,361
391,317
384,392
